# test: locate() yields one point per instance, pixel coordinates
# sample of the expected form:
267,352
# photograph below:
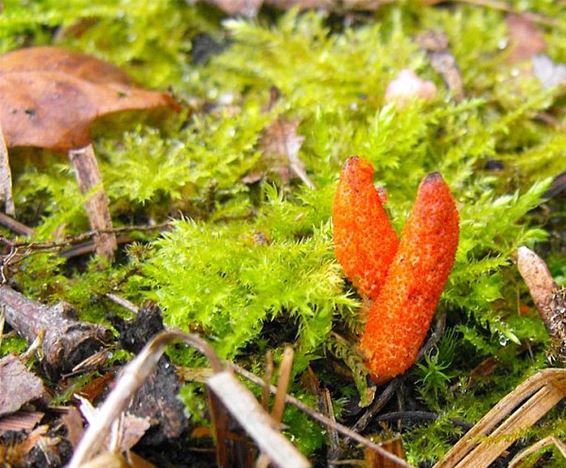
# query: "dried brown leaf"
525,38
281,144
49,97
73,421
18,386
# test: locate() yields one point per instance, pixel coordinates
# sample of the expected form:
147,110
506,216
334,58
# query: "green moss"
250,265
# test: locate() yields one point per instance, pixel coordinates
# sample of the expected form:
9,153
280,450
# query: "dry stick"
282,384
323,419
67,341
12,224
279,404
223,384
123,302
334,451
267,379
5,177
88,178
543,443
424,415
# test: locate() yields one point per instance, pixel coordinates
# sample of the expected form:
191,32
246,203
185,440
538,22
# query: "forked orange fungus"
415,275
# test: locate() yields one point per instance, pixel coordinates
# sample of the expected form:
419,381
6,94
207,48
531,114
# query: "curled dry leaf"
49,97
408,86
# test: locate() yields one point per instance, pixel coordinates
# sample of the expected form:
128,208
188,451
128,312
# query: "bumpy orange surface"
364,240
400,317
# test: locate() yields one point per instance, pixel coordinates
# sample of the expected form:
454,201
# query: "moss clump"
250,265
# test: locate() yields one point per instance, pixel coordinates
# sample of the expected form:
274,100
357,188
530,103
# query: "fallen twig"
14,225
66,342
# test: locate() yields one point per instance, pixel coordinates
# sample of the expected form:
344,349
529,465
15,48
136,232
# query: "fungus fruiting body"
365,242
415,275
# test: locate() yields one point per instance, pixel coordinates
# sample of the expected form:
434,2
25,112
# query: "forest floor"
185,168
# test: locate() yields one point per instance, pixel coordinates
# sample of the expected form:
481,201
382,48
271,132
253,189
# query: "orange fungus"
364,239
400,317
405,278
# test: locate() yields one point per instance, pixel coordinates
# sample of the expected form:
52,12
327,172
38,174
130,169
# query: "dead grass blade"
508,420
543,443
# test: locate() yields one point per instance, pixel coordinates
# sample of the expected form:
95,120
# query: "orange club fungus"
408,277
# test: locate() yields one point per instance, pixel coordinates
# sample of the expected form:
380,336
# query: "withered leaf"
525,38
17,385
49,97
281,143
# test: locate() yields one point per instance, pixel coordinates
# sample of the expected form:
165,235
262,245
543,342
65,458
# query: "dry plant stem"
67,341
267,379
220,421
324,420
419,415
282,384
132,378
543,443
334,441
257,423
13,225
279,404
541,392
5,178
123,302
88,178
90,247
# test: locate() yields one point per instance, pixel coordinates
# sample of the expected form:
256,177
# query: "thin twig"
324,420
425,415
123,302
267,379
282,384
